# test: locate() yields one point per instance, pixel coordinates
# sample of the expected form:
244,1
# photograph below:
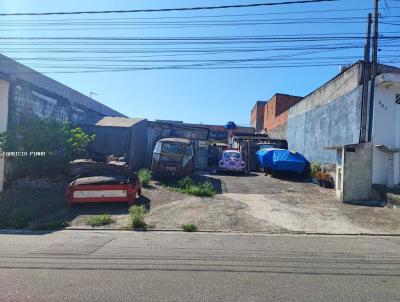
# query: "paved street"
154,266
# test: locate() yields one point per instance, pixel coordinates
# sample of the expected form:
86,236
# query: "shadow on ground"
44,209
292,177
367,203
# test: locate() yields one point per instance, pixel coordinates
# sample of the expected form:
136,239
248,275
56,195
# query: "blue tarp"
281,160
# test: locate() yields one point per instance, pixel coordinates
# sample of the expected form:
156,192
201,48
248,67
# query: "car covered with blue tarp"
280,160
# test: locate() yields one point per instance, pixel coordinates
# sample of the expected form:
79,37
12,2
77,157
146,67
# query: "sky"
211,95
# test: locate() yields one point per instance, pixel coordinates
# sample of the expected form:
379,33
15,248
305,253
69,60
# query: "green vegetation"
137,214
99,220
189,227
20,218
314,168
51,225
188,186
144,177
60,142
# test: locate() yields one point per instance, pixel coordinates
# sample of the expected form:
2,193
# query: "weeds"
189,227
188,186
144,177
137,214
314,168
99,220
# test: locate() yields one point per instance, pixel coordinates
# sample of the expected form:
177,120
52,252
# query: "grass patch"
189,227
51,225
144,177
136,215
188,186
20,218
99,220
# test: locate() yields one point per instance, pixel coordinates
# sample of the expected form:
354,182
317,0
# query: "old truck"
111,181
173,157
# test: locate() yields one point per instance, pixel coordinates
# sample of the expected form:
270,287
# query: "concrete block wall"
335,123
27,100
330,115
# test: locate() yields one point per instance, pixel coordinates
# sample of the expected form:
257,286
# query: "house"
25,92
326,127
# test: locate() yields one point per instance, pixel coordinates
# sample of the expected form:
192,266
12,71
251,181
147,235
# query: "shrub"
99,220
20,218
190,227
137,214
185,183
314,168
60,142
144,177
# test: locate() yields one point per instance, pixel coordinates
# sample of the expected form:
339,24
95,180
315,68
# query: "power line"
209,16
168,9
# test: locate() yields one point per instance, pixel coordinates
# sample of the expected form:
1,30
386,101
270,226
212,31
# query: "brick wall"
257,116
276,112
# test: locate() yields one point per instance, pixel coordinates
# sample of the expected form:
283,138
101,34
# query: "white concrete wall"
4,88
327,117
385,131
356,184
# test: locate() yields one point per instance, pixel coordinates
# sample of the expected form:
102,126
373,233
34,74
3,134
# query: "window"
397,98
231,155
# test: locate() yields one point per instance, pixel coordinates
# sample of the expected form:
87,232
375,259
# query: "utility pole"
374,70
366,77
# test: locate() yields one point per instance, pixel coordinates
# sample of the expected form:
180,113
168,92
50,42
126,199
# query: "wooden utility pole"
374,70
366,77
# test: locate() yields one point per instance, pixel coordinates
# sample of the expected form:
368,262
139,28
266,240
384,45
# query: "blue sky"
207,96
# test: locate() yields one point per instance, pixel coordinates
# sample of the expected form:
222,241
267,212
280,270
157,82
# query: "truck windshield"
171,148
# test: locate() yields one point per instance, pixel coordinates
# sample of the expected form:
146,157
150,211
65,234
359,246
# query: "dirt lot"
254,203
259,203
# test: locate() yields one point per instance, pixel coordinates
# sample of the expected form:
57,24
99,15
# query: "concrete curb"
294,233
239,232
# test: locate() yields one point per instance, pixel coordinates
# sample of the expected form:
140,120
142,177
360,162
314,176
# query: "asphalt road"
128,266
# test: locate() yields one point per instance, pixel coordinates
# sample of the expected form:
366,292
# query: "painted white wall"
385,131
4,87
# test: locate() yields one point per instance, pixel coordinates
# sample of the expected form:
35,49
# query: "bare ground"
254,203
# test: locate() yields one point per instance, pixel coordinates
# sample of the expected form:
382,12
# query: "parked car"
173,157
231,160
276,161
